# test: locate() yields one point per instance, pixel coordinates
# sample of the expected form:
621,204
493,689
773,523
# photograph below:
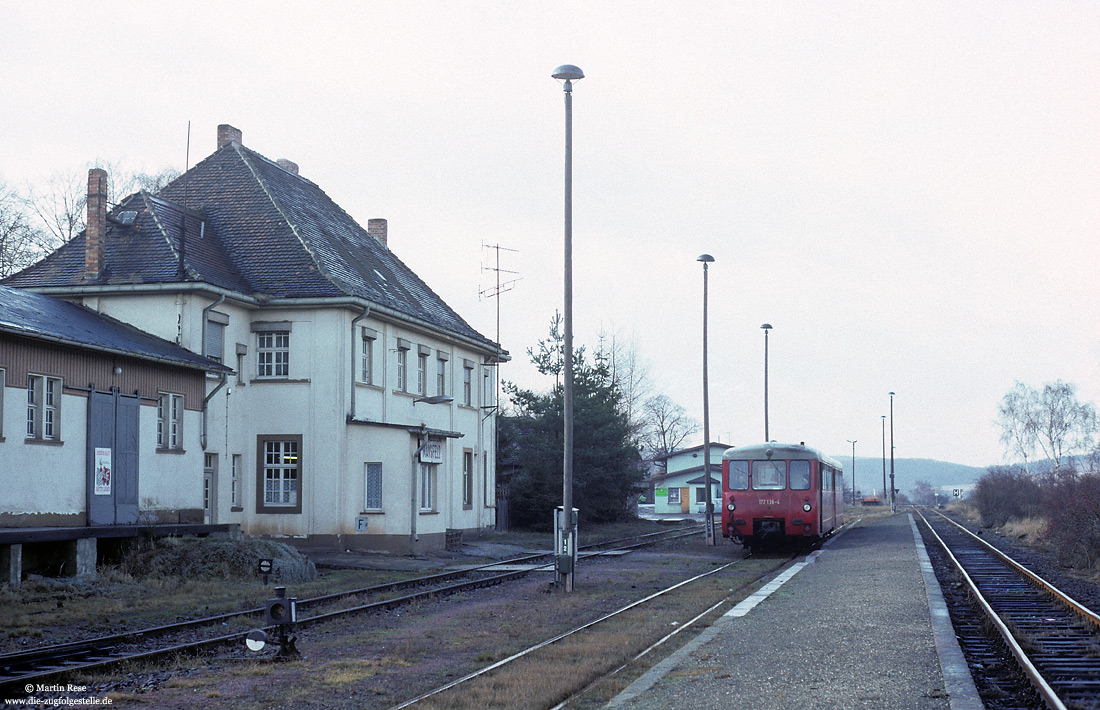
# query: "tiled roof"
255,228
32,315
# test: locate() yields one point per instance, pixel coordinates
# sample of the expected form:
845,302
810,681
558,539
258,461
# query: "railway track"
22,669
1054,640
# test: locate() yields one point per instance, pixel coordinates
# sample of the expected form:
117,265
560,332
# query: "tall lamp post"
883,459
709,522
853,443
766,327
567,547
893,498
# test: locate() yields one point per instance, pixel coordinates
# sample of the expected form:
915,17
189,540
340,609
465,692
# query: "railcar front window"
800,475
769,475
739,475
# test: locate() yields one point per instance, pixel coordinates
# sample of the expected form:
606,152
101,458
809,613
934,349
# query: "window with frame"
273,353
279,474
441,377
367,359
402,366
737,476
422,373
769,475
235,496
427,487
468,384
800,475
43,407
214,345
372,475
169,421
673,495
487,389
467,479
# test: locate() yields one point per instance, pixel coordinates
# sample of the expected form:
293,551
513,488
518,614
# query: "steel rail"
559,637
1072,604
1041,686
62,655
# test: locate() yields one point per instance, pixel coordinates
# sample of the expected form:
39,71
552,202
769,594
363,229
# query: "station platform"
860,623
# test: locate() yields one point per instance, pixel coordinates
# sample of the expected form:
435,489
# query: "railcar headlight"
806,507
731,507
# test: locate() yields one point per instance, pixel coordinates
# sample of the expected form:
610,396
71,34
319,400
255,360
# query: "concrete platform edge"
959,684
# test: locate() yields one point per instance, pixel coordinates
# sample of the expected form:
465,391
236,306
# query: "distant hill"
907,472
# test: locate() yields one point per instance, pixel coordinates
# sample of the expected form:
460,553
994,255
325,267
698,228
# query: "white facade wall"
34,473
168,481
314,402
49,478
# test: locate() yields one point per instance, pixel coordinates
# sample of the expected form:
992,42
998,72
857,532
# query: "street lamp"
566,553
766,327
883,458
853,443
893,498
709,522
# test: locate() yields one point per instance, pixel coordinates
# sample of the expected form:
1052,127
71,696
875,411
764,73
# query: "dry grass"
1022,529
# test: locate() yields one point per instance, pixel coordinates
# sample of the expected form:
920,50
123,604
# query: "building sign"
432,452
660,492
102,472
361,524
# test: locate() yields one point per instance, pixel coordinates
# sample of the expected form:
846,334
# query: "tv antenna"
495,291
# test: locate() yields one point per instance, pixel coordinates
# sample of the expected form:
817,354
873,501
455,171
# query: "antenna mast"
495,292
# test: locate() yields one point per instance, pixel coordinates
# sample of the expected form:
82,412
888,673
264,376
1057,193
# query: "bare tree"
19,241
667,425
61,205
629,374
1051,419
1015,416
62,199
1065,425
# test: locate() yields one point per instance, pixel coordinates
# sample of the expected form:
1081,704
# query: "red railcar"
780,493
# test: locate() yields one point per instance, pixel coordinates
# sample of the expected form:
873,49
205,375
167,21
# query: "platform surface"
854,625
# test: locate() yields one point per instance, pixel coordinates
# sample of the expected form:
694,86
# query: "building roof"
32,315
691,449
252,227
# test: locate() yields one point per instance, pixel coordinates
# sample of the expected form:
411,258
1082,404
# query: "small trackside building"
100,423
682,487
361,413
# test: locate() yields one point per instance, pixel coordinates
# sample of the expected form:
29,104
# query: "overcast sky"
908,192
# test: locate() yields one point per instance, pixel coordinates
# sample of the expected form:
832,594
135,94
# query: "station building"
360,413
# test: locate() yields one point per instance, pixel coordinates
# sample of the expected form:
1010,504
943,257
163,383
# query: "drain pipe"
207,398
364,314
206,401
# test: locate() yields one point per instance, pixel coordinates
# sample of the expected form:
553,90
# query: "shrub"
1071,507
213,558
1004,493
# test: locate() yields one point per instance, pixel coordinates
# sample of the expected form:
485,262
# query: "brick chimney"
377,227
288,165
95,234
228,134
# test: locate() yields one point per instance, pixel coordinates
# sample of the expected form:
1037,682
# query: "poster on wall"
102,472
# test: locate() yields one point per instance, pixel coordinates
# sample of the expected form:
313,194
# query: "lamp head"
767,326
434,399
705,258
568,72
